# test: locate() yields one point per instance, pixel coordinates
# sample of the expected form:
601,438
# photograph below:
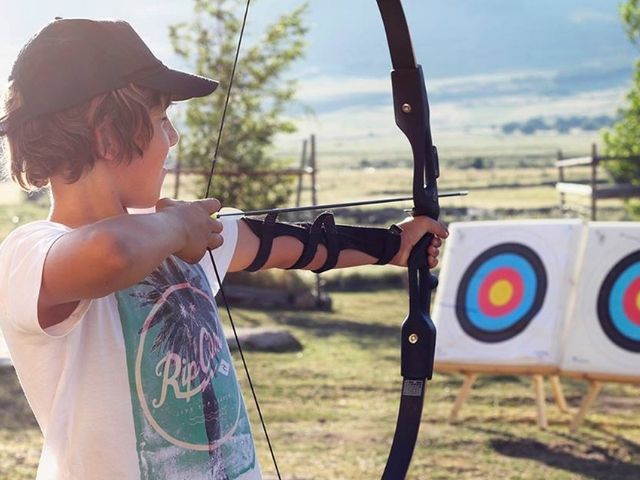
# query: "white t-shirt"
137,384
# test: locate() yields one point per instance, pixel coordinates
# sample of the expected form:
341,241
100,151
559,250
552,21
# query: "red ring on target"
514,281
630,302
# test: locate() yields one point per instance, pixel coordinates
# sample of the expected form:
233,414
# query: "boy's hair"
80,88
69,142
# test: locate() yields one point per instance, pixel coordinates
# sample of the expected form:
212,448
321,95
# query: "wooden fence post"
314,201
303,164
563,199
312,164
594,182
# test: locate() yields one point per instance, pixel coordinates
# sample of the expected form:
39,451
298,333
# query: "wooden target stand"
536,372
596,383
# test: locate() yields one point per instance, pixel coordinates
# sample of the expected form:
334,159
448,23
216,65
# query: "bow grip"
418,347
418,342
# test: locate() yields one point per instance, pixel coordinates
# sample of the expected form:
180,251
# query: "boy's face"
141,180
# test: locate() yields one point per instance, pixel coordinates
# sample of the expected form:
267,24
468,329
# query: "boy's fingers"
164,203
211,205
436,242
215,240
438,228
432,226
217,226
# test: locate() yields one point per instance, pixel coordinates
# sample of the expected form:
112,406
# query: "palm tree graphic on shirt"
189,341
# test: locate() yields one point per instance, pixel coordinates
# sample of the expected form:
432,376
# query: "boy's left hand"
413,229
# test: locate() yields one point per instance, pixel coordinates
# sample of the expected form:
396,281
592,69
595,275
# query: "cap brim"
180,85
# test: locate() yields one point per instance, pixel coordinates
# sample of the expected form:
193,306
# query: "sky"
487,62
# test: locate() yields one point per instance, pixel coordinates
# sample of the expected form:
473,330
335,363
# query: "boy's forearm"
286,251
108,255
145,240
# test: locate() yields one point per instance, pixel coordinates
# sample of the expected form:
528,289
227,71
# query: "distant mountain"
465,37
496,57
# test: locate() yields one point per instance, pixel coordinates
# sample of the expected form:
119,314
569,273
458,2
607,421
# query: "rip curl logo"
188,378
182,371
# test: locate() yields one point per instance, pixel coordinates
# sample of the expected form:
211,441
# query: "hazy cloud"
590,15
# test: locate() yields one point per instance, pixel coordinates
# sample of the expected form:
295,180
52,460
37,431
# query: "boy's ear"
105,143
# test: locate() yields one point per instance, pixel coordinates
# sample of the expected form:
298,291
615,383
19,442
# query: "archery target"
502,293
603,332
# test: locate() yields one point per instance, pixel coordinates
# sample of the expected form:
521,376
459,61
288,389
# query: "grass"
520,188
340,401
331,410
453,147
20,438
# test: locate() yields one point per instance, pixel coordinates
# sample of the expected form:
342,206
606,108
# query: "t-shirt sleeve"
22,257
223,254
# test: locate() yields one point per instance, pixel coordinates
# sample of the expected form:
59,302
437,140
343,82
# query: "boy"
110,317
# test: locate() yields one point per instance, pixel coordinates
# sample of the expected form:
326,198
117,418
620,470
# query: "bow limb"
411,107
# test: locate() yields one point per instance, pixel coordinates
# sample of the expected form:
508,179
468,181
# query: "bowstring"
213,263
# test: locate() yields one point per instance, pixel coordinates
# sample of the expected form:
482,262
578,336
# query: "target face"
501,292
619,303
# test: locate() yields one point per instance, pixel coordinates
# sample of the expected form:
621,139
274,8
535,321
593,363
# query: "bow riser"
411,107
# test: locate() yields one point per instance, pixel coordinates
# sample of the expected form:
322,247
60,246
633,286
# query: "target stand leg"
558,395
538,386
469,379
587,401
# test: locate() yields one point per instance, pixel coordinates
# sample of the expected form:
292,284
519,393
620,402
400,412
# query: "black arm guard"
380,243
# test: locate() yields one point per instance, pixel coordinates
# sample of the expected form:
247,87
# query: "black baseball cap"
71,61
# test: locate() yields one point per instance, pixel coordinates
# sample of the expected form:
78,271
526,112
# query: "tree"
259,97
623,139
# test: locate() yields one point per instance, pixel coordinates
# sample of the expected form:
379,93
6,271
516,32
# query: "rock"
264,340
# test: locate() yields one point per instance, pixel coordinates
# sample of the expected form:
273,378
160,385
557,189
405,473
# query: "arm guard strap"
380,243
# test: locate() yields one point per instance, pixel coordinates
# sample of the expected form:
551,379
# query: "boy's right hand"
193,219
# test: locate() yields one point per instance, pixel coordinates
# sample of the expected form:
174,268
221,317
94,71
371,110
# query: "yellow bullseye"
638,300
502,291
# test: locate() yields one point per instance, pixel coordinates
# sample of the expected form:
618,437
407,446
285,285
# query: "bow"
418,332
418,338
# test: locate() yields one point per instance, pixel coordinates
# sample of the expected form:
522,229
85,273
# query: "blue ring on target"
494,324
615,322
529,268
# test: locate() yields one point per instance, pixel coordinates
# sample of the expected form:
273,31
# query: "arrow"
329,206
